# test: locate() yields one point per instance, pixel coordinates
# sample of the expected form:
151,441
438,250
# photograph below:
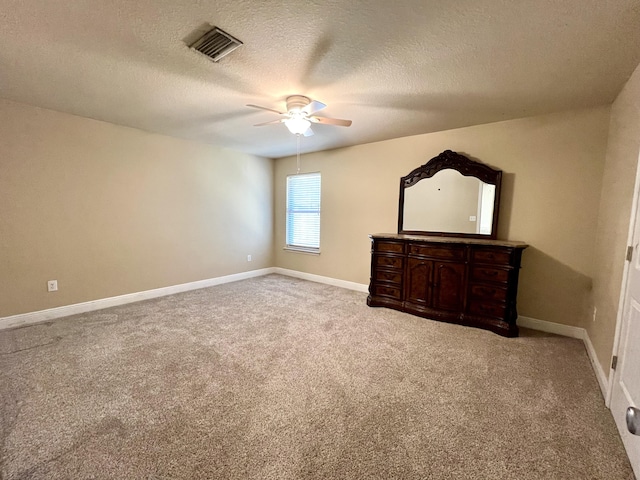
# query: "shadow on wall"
550,290
506,205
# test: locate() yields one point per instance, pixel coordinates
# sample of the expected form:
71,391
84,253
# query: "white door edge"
624,283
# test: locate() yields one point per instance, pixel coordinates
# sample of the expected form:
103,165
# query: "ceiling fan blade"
265,108
308,132
272,122
331,121
314,106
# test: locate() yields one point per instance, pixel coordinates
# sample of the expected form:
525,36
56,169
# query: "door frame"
625,283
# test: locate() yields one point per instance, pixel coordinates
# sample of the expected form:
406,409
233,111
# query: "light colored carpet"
278,378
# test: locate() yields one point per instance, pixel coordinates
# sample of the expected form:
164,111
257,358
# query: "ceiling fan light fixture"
300,115
297,125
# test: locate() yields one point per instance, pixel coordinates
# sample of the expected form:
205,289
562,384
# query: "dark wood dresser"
458,280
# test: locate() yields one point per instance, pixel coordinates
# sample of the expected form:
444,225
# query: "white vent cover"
215,44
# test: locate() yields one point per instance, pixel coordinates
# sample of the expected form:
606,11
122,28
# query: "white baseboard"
50,314
359,287
550,327
573,332
603,381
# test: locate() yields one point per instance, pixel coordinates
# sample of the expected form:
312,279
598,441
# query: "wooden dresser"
459,280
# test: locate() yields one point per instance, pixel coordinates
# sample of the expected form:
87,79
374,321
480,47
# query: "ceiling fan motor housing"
295,103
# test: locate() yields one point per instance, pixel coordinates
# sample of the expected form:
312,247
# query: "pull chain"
298,143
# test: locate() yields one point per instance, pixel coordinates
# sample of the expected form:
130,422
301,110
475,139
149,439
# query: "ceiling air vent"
215,44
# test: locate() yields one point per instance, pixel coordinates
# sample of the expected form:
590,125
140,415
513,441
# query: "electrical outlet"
595,312
248,258
52,286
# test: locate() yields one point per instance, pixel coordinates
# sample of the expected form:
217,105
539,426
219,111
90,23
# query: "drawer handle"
490,273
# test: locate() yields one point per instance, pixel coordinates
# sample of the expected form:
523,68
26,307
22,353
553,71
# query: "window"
303,212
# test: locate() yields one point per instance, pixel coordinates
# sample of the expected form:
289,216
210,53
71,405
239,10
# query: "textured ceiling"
395,68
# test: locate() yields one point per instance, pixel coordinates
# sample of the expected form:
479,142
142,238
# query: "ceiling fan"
299,115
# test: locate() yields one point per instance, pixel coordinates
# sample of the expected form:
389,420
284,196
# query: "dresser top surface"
458,240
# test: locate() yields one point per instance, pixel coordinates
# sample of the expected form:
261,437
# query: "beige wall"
108,210
552,165
615,210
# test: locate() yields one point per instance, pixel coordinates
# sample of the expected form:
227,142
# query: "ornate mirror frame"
463,165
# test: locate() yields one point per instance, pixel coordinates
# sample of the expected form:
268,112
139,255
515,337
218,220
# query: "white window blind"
303,212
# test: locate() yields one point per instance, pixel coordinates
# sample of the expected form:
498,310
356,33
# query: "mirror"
451,195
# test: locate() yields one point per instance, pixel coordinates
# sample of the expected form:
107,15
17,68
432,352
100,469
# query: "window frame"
302,248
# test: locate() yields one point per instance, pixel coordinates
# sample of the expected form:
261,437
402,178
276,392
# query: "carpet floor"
279,378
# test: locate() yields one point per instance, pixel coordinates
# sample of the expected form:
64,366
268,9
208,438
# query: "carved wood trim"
454,161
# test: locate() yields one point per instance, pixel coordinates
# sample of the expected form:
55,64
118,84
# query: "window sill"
308,251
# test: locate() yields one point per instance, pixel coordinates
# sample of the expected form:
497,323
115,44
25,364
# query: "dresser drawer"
387,291
437,251
489,274
394,247
388,261
488,292
488,309
388,276
489,255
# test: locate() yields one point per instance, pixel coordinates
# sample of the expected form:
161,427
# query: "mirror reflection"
449,202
